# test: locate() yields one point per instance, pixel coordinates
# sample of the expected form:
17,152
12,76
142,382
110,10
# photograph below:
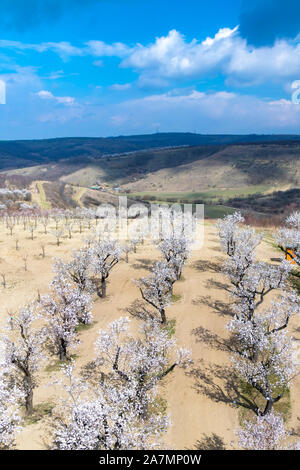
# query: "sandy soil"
201,409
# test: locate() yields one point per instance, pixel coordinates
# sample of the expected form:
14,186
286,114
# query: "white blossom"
265,433
142,361
105,255
9,415
176,252
23,351
156,289
64,308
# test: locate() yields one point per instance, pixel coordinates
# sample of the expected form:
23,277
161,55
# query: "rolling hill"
180,169
23,153
216,174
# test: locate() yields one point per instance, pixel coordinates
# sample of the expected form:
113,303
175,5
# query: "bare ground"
200,400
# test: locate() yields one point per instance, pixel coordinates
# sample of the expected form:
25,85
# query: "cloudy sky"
112,67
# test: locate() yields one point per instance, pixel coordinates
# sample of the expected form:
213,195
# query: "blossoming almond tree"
106,418
106,254
263,355
64,308
253,281
23,352
254,333
228,228
235,239
176,252
156,289
78,269
270,370
9,416
265,433
141,362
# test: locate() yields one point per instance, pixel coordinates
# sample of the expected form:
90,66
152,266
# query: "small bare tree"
45,222
69,227
43,249
32,228
3,275
58,233
11,225
25,259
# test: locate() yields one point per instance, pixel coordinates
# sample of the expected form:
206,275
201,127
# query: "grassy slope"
211,195
212,174
189,169
20,154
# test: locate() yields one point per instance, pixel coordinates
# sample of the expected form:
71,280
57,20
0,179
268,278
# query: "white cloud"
98,63
47,95
215,113
55,75
221,34
172,57
101,49
184,111
120,87
63,49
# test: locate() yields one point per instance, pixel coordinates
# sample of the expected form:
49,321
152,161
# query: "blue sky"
112,67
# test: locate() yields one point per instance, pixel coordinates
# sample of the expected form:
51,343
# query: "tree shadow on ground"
213,284
139,309
212,442
143,263
221,385
92,373
207,265
222,308
214,238
212,340
215,247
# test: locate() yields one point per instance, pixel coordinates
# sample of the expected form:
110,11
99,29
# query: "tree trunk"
103,287
62,350
163,316
268,407
29,402
29,395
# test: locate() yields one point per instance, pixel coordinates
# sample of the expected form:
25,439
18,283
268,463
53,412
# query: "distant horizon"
286,134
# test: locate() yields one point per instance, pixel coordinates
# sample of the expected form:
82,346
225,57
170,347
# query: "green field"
210,196
216,212
211,211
